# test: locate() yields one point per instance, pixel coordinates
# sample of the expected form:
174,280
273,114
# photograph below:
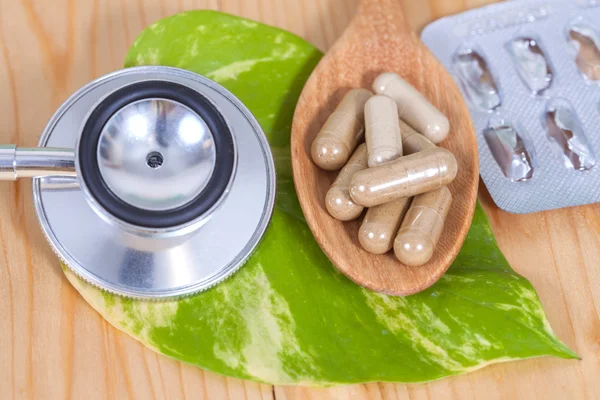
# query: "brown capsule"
382,130
422,227
381,223
405,177
337,200
342,131
413,107
413,141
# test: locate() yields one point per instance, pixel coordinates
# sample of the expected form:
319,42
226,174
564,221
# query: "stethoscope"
150,182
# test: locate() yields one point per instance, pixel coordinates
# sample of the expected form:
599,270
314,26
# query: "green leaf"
288,317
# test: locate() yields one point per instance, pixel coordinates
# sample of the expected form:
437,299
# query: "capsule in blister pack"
530,73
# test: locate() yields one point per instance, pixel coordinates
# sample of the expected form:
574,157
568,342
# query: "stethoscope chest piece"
168,191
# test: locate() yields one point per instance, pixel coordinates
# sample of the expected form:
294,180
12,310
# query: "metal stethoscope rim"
148,262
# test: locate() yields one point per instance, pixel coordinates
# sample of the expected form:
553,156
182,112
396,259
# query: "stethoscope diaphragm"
150,182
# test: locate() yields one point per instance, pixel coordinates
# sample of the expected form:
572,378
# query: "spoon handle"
383,13
19,162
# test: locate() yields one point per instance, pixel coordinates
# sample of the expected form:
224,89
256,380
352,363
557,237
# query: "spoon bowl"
379,40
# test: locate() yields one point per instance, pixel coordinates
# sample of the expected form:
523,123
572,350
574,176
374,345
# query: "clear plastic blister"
511,148
586,41
531,62
530,73
565,130
476,78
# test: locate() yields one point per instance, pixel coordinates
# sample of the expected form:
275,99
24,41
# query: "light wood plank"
53,345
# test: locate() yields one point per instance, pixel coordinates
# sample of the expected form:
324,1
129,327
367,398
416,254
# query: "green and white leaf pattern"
288,317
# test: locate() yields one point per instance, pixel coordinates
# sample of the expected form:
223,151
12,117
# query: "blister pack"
530,72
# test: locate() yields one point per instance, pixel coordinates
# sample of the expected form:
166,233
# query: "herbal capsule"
337,200
405,177
413,107
422,227
381,223
342,131
382,130
413,141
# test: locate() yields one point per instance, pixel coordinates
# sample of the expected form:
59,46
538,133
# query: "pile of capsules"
399,174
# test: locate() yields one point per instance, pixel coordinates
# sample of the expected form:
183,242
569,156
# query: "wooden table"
53,345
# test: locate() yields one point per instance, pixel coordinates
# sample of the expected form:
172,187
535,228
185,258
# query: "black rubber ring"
88,157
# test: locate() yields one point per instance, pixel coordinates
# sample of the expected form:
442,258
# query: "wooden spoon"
378,40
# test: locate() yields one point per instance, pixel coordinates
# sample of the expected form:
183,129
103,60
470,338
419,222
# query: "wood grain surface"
54,346
379,40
